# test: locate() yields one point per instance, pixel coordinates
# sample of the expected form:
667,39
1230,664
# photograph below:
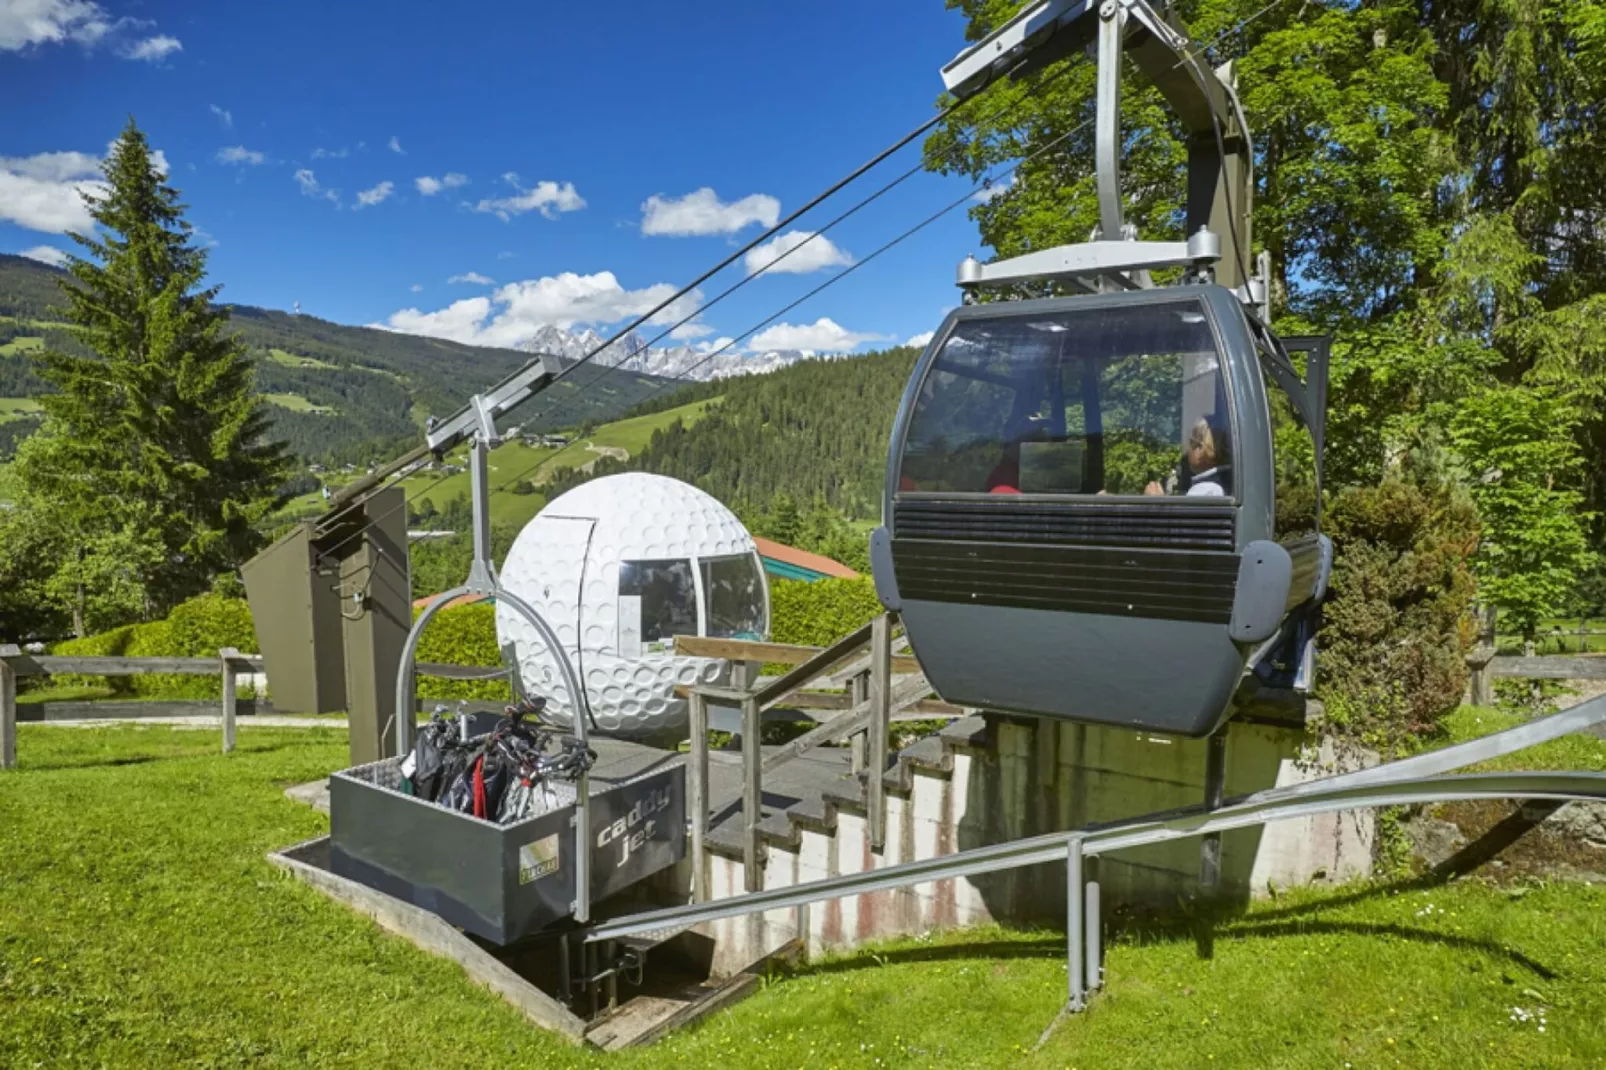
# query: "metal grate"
1173,524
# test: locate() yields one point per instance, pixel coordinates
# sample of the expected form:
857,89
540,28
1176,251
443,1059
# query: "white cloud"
369,197
701,212
45,254
430,186
797,252
331,154
545,197
472,277
824,335
40,22
921,340
687,331
996,190
417,287
152,49
224,116
45,192
718,344
517,310
239,154
505,255
33,23
395,146
311,188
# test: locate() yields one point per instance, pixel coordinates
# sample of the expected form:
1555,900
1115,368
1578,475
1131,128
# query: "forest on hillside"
814,432
359,394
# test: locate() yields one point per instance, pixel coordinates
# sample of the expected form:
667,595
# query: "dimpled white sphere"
566,565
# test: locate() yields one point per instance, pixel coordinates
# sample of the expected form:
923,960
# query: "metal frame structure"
478,421
1410,781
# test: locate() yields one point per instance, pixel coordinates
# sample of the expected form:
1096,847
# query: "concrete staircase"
991,778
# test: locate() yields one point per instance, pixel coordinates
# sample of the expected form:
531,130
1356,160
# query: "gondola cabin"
1101,508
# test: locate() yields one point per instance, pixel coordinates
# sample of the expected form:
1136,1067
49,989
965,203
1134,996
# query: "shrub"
819,613
198,628
1397,624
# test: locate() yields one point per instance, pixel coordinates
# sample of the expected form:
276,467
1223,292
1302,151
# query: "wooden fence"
1487,668
229,664
863,663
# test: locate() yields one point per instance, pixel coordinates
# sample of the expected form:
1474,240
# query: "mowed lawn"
140,926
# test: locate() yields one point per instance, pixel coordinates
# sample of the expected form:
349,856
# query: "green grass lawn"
295,403
17,408
140,926
19,346
514,462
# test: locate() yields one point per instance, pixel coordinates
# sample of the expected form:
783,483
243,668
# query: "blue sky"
558,123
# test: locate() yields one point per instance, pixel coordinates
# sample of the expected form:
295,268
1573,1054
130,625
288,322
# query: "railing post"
8,708
1074,932
1093,952
752,795
227,656
697,797
1215,794
880,726
858,694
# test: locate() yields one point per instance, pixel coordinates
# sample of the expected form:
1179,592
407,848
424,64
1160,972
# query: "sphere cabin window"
733,588
657,601
1122,400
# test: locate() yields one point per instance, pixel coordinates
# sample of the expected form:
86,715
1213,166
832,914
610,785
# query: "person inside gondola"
1005,476
1205,468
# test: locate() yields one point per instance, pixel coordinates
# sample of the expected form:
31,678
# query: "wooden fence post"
858,694
8,708
227,656
752,796
697,797
880,726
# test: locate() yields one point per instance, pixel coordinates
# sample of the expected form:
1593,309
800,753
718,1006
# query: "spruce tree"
155,426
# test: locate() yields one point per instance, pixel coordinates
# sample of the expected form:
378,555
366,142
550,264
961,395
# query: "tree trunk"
78,613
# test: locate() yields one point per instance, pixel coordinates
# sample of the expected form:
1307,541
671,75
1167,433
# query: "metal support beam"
1107,120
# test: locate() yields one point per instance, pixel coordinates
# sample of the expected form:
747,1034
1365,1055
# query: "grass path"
140,926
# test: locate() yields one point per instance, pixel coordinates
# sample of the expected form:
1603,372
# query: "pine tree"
155,424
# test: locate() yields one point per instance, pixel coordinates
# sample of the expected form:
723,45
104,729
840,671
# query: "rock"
1580,821
1432,840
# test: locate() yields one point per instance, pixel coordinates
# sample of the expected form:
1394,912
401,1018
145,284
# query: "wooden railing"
229,664
1487,667
864,663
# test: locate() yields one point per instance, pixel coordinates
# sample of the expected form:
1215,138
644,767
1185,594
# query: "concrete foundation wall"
1038,776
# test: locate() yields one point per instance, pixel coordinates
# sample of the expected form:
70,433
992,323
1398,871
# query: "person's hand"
1153,488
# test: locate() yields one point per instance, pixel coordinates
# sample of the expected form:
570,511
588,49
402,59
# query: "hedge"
820,613
198,628
465,635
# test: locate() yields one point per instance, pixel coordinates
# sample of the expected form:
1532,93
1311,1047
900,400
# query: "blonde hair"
1203,436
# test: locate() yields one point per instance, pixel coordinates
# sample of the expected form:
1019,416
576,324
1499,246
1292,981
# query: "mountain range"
684,362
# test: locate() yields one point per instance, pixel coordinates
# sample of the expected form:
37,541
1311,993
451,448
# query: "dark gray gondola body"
1121,610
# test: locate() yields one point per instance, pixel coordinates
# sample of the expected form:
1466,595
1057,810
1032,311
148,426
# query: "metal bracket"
1081,265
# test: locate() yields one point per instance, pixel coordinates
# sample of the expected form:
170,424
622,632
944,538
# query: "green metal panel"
377,611
297,615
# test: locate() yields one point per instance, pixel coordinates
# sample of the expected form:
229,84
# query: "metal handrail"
1412,780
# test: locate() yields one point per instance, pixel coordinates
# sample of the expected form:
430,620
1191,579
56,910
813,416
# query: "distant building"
789,563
